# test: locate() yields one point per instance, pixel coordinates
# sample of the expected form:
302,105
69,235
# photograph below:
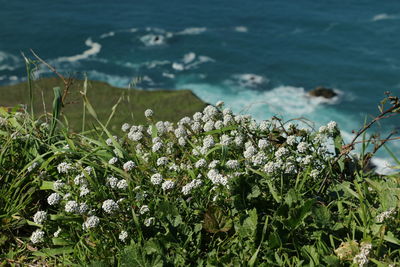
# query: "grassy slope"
167,105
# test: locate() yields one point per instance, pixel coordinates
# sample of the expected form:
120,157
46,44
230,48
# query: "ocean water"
260,57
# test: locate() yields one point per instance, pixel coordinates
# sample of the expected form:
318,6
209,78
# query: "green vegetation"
213,189
170,105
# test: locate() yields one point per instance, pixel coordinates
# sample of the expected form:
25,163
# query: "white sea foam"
153,39
241,29
192,31
8,61
250,80
107,34
178,66
168,75
189,57
384,16
200,60
94,48
114,80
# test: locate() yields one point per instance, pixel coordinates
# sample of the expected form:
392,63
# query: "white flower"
144,209
71,206
196,127
269,167
232,164
225,140
156,147
168,185
282,151
162,161
331,126
210,111
239,140
262,144
40,217
182,141
197,116
57,233
323,129
184,120
361,259
112,181
228,119
259,158
227,111
291,140
37,236
307,160
385,215
79,179
156,179
83,208
64,167
123,236
208,126
109,206
180,132
314,173
264,126
148,113
125,127
58,185
149,221
84,190
218,124
122,184
302,147
113,160
249,152
190,186
135,136
91,222
200,163
53,199
208,142
129,165
213,164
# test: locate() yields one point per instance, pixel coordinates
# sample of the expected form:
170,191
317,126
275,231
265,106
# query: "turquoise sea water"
258,56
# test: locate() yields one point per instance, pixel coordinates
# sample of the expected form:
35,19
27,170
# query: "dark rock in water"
324,92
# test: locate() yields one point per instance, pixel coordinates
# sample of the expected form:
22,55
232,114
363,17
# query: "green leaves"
248,229
215,220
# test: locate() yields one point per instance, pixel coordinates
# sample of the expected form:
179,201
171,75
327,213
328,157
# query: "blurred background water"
260,57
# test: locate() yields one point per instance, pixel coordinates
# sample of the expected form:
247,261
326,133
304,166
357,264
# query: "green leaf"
61,242
47,185
391,238
255,192
53,252
216,221
249,226
271,188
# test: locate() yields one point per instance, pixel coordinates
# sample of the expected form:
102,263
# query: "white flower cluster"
37,236
53,199
64,167
129,165
186,189
361,259
40,217
91,222
110,206
385,215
